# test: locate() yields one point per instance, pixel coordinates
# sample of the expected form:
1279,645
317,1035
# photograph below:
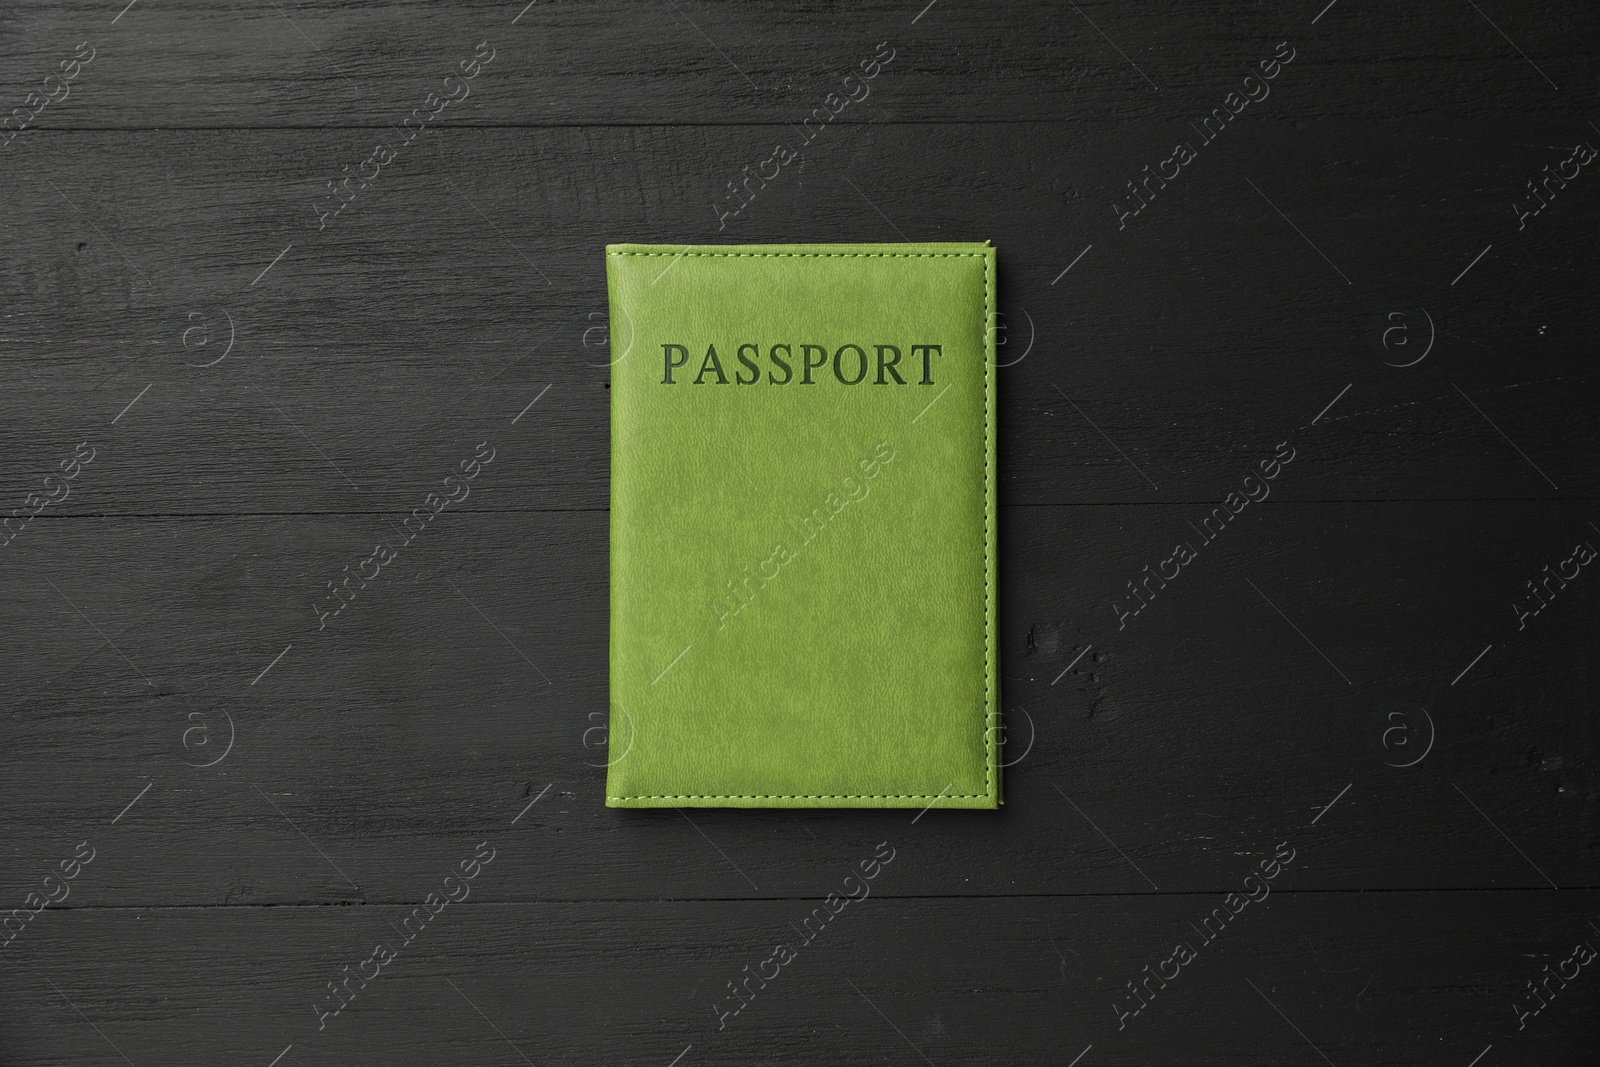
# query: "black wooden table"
1320,788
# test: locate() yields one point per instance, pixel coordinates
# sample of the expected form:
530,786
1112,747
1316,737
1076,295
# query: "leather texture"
803,526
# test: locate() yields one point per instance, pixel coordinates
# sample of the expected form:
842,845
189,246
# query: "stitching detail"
809,796
818,255
990,719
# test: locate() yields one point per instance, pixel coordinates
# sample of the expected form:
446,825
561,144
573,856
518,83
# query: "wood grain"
1379,978
1351,665
421,316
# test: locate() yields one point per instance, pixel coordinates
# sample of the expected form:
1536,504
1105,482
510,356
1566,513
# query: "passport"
803,526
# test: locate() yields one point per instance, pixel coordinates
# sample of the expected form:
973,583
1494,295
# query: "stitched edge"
809,796
989,718
813,255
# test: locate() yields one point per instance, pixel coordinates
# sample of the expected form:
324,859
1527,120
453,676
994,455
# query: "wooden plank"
1246,696
162,66
1373,978
421,321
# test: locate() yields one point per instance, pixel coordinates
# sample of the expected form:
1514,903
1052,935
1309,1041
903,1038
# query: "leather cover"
803,526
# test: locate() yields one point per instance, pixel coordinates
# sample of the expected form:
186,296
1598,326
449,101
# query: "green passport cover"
803,526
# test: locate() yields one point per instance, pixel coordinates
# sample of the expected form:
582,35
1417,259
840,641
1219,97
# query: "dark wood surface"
1342,671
